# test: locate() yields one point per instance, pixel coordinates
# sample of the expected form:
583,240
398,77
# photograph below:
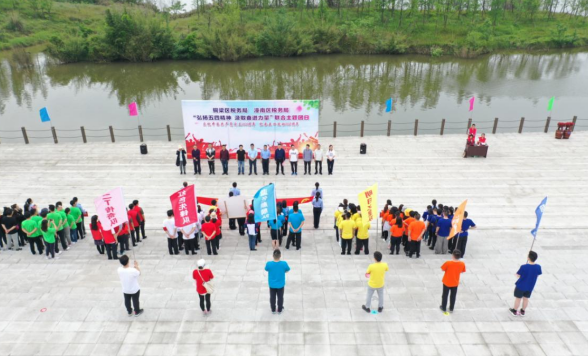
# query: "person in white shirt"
330,159
318,160
294,160
169,227
129,278
189,235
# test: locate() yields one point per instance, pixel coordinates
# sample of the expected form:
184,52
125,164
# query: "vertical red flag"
184,206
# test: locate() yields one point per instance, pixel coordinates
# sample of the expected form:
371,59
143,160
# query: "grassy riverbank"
85,32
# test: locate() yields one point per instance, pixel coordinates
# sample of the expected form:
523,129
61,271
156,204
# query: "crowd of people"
50,230
253,155
43,228
404,227
472,137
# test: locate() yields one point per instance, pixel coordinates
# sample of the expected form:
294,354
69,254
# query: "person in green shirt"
56,218
33,231
49,233
71,224
77,214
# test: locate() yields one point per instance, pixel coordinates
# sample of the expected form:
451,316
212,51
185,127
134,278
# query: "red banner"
184,206
289,201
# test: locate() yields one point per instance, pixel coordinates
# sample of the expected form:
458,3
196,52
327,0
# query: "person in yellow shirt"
347,227
376,273
362,237
338,218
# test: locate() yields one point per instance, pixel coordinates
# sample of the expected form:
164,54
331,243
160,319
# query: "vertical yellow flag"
368,201
457,219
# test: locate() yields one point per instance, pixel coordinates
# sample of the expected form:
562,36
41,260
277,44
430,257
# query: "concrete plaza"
74,305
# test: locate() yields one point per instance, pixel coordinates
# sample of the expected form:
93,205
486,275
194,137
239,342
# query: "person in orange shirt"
416,230
407,223
396,232
453,269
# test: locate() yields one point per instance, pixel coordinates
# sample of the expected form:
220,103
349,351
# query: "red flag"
184,206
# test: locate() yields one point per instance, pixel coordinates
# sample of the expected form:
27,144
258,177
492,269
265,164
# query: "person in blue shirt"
442,231
286,212
462,238
317,189
265,157
425,216
527,277
317,209
252,155
236,191
276,228
431,228
276,278
295,223
280,157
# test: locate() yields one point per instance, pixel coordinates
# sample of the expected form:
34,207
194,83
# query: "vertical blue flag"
264,204
389,105
44,115
539,213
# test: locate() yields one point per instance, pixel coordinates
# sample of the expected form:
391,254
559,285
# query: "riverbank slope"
82,32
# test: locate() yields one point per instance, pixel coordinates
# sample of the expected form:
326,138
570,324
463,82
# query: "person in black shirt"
196,160
280,156
10,229
18,215
241,160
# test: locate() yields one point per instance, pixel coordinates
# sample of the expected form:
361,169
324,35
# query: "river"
350,88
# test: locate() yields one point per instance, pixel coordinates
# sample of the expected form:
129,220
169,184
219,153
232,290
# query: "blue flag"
539,213
264,204
389,105
44,115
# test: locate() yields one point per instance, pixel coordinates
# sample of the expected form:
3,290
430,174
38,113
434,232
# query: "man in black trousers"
196,160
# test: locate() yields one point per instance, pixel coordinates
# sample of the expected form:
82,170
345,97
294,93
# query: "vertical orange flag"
457,219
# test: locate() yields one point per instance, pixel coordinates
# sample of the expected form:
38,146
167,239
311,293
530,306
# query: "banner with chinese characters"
264,204
111,209
184,206
368,201
243,122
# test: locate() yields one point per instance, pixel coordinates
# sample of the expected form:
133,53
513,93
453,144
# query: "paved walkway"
81,293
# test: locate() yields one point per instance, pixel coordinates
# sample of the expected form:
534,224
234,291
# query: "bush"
15,24
69,50
281,37
326,39
561,39
137,37
436,52
226,43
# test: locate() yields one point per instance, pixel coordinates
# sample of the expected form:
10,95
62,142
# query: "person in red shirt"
141,217
453,269
201,276
109,242
96,234
416,230
121,233
471,140
472,130
209,232
219,235
482,140
134,225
